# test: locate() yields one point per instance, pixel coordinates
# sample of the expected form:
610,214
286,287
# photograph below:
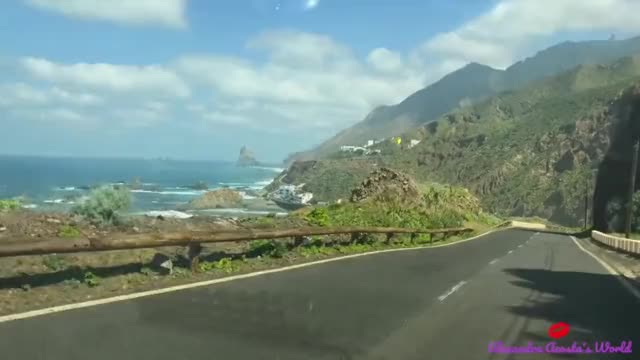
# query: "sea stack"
246,158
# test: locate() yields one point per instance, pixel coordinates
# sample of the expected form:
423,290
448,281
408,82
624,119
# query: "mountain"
469,84
526,152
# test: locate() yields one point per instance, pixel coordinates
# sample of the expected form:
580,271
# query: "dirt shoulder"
36,282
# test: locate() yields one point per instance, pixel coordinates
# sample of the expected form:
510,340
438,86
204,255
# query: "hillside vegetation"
525,153
473,83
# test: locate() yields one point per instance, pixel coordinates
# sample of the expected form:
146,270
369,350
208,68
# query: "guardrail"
618,243
194,239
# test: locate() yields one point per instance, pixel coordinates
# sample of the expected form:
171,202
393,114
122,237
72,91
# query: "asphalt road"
442,303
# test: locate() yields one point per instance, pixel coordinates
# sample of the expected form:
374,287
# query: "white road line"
519,246
510,251
611,271
493,261
451,291
56,309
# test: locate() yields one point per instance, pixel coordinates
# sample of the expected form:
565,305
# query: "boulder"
385,184
221,198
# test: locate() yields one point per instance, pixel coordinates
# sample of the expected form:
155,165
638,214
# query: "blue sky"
197,79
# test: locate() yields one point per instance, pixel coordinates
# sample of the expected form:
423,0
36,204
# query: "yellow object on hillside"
398,140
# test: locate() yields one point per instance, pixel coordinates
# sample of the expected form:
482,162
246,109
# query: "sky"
197,79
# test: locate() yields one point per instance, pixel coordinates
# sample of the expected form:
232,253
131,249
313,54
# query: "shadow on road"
596,306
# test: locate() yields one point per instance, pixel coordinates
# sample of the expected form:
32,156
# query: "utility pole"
632,180
586,204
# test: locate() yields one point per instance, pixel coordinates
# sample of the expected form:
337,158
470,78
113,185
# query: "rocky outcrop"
385,184
613,174
246,158
221,198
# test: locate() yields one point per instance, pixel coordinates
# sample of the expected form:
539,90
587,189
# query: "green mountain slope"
472,83
525,153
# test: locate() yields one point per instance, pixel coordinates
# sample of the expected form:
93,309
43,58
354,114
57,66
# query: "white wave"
54,201
164,192
169,214
66,188
29,206
274,169
245,196
235,184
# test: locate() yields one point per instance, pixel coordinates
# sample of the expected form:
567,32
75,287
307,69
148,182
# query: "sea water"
56,184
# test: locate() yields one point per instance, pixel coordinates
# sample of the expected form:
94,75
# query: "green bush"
270,248
8,205
104,204
54,262
266,221
91,279
318,216
68,231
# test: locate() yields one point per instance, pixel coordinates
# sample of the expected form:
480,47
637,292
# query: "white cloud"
302,49
301,80
303,70
116,78
499,36
137,117
58,115
169,13
24,94
385,60
311,4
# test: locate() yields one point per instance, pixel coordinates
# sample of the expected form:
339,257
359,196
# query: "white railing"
619,243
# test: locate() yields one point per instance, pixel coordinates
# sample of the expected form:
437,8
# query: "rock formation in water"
246,158
221,198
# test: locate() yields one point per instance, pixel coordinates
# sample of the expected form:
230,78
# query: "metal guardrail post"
194,251
390,237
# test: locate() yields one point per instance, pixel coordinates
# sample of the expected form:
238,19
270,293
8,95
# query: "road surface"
443,303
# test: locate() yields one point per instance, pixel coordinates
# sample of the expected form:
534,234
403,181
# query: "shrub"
68,231
54,262
8,205
267,248
266,221
91,279
104,205
318,216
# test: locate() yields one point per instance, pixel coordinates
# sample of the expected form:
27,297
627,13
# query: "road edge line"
618,275
84,304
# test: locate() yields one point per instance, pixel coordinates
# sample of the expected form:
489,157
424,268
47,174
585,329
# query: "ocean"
56,184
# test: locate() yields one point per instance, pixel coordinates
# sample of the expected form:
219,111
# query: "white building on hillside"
413,143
